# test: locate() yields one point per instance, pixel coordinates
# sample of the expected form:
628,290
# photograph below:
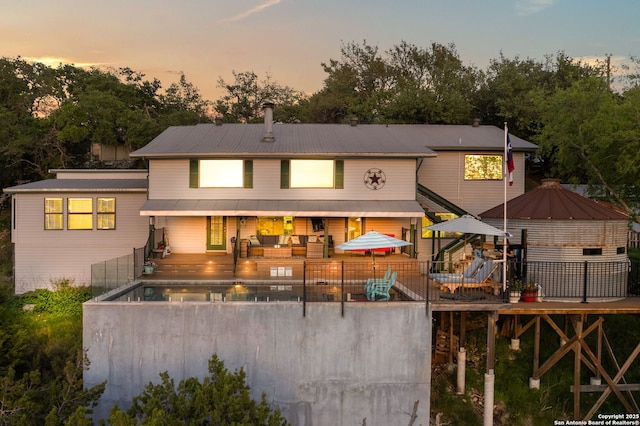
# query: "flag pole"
504,180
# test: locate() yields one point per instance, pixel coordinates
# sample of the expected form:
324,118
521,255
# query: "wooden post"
599,349
536,349
492,318
451,348
463,329
576,368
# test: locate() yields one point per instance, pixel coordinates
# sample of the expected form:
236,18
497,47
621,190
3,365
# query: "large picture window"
53,214
221,173
80,213
106,213
312,174
482,167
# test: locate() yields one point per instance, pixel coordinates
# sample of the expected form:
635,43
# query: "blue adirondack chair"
380,291
372,281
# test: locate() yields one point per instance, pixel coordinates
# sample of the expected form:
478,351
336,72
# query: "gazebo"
556,225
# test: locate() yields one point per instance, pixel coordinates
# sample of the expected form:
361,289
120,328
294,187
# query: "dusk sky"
208,39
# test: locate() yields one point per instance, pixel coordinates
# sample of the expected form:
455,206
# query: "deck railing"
327,280
117,272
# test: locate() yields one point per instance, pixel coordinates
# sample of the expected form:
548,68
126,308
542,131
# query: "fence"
114,273
338,281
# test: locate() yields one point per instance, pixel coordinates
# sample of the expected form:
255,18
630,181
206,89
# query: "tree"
246,95
222,398
432,85
592,136
407,84
515,89
43,364
357,84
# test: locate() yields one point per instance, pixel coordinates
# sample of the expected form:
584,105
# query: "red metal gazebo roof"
552,201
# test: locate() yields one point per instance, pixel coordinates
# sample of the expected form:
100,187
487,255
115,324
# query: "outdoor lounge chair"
468,273
380,290
482,277
373,281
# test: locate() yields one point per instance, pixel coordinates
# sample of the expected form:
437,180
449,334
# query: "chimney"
354,121
218,121
476,122
268,122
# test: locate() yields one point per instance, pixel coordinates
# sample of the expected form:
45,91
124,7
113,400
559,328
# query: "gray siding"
169,179
445,176
42,257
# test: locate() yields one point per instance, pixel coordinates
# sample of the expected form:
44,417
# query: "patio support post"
325,247
304,289
585,282
342,287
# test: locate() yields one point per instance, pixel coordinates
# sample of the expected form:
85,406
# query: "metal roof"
552,201
325,140
331,208
81,185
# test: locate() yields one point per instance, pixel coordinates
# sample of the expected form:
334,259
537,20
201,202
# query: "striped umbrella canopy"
372,240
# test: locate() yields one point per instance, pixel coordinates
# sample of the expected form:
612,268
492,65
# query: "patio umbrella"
372,240
469,225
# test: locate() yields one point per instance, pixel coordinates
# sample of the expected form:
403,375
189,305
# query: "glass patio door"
217,233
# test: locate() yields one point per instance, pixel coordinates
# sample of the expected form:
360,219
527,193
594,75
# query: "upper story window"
106,209
80,213
53,213
482,167
312,174
221,173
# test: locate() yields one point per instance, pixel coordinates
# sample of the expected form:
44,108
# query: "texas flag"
510,165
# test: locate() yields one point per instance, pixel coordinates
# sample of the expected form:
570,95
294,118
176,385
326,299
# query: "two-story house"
210,185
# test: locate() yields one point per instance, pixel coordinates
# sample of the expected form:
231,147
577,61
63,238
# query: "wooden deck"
342,277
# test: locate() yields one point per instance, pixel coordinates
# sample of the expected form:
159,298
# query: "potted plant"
515,289
530,292
149,266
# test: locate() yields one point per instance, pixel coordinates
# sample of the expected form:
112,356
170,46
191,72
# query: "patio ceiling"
309,208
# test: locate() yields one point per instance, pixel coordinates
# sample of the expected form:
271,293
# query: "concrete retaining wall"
321,369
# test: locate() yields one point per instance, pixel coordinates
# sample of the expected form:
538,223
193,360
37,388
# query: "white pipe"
489,379
462,359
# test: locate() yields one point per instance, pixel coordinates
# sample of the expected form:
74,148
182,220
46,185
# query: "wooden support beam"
616,379
451,346
536,347
492,318
463,329
612,385
617,365
522,330
576,369
562,351
600,388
